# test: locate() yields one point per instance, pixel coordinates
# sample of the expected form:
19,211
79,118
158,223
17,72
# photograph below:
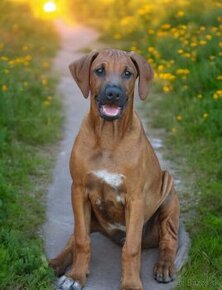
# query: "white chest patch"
113,179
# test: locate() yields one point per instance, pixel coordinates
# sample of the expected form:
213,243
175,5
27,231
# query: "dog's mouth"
110,111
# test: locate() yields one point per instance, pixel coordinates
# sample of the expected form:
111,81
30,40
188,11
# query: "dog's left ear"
145,73
80,70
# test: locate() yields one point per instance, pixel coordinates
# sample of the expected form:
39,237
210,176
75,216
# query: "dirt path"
106,257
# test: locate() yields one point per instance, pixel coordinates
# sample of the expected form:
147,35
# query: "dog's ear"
80,70
145,73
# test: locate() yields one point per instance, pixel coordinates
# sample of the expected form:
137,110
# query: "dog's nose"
113,93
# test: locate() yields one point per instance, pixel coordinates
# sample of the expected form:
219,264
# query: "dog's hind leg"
164,270
64,259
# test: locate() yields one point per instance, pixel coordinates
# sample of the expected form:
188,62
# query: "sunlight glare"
49,7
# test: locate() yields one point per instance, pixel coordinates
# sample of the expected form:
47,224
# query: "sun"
49,7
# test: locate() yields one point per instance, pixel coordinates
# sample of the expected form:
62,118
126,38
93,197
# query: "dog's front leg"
81,246
131,254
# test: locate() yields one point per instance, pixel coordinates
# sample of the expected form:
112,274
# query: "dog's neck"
110,133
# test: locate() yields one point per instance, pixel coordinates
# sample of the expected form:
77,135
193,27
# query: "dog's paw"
67,283
164,272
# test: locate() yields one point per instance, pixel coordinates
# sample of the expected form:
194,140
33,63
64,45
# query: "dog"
118,186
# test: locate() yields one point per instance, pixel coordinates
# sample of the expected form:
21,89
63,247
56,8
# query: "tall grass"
29,121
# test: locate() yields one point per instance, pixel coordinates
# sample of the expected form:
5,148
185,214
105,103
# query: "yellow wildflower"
166,26
180,13
202,28
45,64
44,82
160,67
205,115
182,71
202,42
151,31
28,57
208,37
179,118
219,78
180,51
4,88
46,103
193,44
167,88
217,94
199,96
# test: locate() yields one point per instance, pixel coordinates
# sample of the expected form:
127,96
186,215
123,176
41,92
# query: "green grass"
182,41
30,119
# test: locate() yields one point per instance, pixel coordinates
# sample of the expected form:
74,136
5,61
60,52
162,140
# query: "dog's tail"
183,247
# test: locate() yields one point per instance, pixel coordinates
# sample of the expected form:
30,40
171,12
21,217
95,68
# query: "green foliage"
29,119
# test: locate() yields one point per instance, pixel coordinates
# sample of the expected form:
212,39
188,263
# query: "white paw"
66,283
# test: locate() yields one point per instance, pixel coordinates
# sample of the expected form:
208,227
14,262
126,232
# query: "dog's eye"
127,74
100,71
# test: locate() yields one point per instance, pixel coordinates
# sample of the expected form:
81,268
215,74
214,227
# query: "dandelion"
187,55
44,82
202,28
151,31
46,103
217,95
202,42
4,88
167,76
219,78
208,37
167,88
179,118
180,51
28,57
45,64
193,44
160,67
180,13
166,26
205,115
199,96
182,71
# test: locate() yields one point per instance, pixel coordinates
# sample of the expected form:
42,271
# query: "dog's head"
110,75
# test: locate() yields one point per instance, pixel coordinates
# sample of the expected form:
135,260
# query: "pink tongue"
110,110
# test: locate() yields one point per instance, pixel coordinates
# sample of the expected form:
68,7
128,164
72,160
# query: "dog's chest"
106,192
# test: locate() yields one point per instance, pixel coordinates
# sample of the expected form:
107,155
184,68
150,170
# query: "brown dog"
118,186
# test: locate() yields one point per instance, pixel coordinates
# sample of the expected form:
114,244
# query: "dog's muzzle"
111,102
